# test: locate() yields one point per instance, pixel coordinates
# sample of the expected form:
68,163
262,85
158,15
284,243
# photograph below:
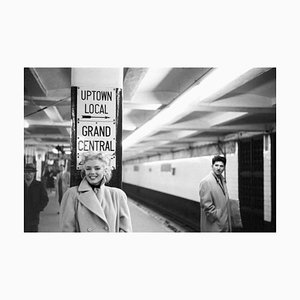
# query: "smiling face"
218,168
94,171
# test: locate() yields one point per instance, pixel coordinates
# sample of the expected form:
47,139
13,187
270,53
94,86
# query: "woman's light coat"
101,210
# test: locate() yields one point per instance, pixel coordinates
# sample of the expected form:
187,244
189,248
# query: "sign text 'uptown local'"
96,122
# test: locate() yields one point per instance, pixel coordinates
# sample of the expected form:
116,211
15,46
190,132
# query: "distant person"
49,177
214,199
92,206
35,199
62,182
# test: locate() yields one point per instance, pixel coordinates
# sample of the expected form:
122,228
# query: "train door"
251,183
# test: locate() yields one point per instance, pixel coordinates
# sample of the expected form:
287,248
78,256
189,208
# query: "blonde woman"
92,206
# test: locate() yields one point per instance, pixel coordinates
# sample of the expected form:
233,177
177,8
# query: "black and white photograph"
192,149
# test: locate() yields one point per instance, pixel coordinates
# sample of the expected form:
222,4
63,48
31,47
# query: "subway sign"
96,122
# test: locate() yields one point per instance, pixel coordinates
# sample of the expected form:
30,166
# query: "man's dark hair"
219,158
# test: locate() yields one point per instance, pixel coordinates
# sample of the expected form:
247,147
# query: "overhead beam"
53,114
149,145
48,123
217,118
53,136
46,143
245,100
244,134
46,101
206,122
238,82
159,97
200,139
141,106
38,80
244,127
128,125
62,92
64,131
171,145
221,108
132,80
170,136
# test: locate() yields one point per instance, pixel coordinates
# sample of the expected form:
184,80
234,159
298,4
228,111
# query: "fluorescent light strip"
213,82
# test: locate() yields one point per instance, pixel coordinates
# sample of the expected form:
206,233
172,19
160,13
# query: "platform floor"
143,218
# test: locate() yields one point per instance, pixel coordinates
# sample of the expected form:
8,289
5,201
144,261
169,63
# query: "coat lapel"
220,183
89,199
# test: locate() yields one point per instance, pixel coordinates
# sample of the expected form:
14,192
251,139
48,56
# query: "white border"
137,33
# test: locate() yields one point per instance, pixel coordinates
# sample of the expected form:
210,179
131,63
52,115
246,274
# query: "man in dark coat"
214,199
35,199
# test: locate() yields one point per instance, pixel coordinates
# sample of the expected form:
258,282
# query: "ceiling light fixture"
54,150
216,83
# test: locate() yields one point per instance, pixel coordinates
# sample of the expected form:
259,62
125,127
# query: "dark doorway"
251,183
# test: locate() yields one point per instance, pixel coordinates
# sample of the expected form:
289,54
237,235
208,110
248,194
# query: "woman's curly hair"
106,159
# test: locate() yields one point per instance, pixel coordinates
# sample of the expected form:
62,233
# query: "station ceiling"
158,116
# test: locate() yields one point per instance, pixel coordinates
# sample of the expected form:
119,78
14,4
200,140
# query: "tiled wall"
232,174
267,178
